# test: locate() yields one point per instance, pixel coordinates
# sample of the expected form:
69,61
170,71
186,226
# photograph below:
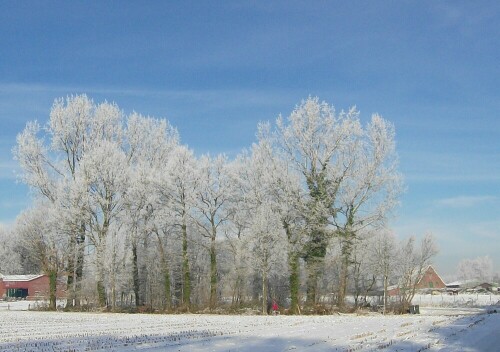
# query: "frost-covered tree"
314,139
103,178
126,188
212,196
348,174
150,143
369,191
176,189
136,216
480,268
262,183
265,179
95,165
412,261
50,158
38,231
265,244
10,261
247,189
382,256
363,278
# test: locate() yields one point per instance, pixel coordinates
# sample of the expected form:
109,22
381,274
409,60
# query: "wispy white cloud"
465,201
186,101
468,164
489,230
458,17
251,95
8,170
473,177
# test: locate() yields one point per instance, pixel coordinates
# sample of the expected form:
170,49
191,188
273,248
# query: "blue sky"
215,69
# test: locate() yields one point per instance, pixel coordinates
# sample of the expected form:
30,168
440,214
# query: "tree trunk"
294,279
52,289
101,293
385,291
80,257
293,265
264,293
101,289
113,293
356,280
75,268
101,252
313,264
315,250
113,279
344,272
213,275
346,252
166,274
70,272
236,299
135,274
186,277
315,255
166,285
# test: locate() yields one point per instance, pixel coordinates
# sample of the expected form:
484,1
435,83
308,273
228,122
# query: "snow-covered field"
56,331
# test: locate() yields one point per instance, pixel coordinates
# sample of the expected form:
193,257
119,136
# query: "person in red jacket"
275,308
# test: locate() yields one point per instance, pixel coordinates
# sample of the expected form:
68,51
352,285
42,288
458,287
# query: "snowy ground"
436,329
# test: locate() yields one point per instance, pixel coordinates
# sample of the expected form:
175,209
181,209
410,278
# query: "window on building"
17,292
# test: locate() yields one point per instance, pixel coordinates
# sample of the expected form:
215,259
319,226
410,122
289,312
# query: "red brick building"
27,287
431,280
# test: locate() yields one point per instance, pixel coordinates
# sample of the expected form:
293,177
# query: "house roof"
18,278
429,267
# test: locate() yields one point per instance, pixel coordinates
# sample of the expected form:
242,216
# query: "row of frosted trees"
126,214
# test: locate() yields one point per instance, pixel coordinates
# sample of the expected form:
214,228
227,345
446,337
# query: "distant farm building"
27,287
472,286
431,280
486,287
